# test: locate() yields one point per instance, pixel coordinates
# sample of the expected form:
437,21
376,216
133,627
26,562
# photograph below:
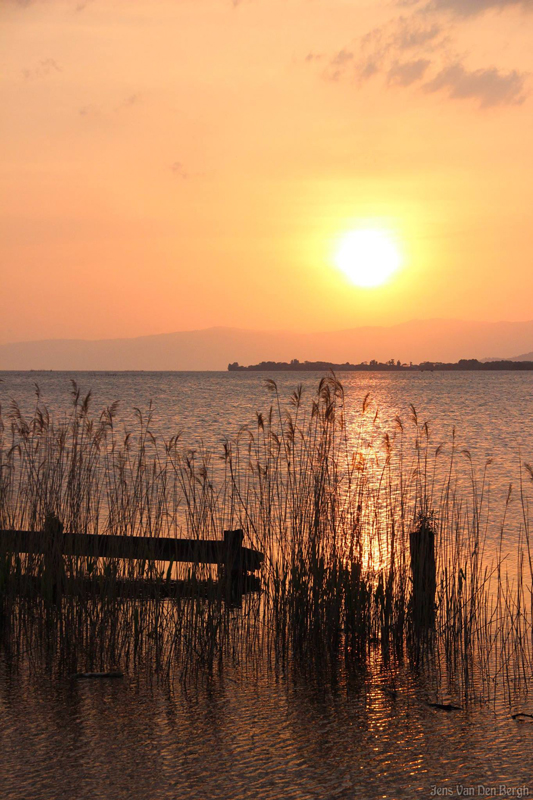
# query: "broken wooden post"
233,566
424,573
54,569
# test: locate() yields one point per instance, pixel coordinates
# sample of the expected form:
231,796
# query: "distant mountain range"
524,357
214,348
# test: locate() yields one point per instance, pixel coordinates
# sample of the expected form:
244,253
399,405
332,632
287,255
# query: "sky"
178,165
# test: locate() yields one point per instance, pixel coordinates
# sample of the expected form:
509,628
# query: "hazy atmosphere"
266,391
175,166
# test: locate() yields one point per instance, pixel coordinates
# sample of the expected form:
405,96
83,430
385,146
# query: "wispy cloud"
46,67
106,110
338,63
489,86
179,170
412,33
468,8
419,46
77,5
402,49
406,73
82,5
129,101
314,57
405,33
88,110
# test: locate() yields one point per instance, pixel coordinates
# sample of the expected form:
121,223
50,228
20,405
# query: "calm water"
492,413
261,735
247,737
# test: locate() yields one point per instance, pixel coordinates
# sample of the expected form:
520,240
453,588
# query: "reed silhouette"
371,549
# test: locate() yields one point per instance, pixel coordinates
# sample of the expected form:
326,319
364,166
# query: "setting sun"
368,257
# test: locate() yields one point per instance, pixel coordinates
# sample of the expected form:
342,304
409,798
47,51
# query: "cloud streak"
490,86
338,64
408,72
179,170
78,5
469,8
419,47
47,66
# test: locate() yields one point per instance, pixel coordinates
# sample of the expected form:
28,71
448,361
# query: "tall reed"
370,541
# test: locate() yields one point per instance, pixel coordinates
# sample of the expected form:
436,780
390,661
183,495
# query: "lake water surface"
253,732
490,412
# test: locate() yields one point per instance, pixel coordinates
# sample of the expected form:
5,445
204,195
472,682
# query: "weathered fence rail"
236,563
228,552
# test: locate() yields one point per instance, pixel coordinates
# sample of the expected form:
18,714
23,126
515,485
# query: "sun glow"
368,257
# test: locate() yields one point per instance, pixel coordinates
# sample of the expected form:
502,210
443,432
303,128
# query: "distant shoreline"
464,364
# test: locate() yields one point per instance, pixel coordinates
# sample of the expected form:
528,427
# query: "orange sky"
176,165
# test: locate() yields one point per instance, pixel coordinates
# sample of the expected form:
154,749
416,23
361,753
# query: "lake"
254,729
491,412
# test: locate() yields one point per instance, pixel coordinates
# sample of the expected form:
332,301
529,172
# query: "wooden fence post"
423,569
54,569
234,565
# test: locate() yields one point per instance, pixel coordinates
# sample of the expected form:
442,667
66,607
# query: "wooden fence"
234,561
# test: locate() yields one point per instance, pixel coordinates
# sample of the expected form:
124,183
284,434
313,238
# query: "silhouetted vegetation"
366,548
380,366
